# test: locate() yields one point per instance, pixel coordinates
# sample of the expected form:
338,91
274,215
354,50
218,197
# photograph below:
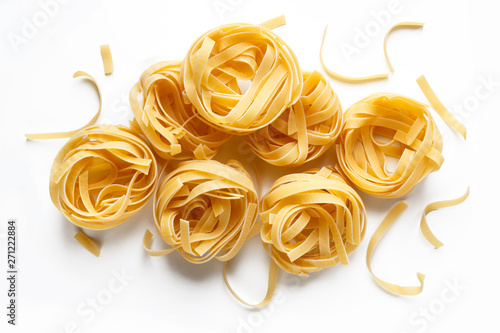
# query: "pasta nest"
206,209
305,130
384,126
102,176
167,122
311,220
241,52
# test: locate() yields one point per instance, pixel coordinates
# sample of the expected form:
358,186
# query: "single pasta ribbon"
168,123
102,176
383,126
205,209
344,78
424,227
305,130
229,54
107,59
376,237
443,112
402,25
62,135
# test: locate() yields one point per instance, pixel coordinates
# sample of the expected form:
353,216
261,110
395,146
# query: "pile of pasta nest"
184,111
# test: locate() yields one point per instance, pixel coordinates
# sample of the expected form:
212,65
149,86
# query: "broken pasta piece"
311,220
107,59
384,126
102,176
88,243
168,123
205,210
304,131
241,52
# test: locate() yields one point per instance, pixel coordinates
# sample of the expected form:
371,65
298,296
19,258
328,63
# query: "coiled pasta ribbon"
102,176
387,125
205,210
311,220
304,131
168,123
245,52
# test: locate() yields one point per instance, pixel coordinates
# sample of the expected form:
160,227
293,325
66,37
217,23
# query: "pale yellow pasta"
305,130
311,220
102,176
411,25
107,59
205,209
376,237
88,243
241,52
169,124
384,126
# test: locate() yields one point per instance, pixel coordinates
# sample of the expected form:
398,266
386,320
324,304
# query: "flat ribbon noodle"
305,130
411,25
107,59
240,52
169,124
311,220
344,78
102,176
88,243
443,112
62,135
205,209
424,227
383,126
376,237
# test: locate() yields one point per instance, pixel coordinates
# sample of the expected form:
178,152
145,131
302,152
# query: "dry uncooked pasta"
384,126
107,59
376,237
304,131
311,220
62,135
424,227
241,52
443,112
205,210
344,78
411,25
102,176
168,123
88,243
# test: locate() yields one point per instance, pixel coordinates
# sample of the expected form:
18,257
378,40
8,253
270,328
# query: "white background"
457,50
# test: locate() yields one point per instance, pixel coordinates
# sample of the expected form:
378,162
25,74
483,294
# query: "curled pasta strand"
344,78
424,227
102,176
410,25
205,209
168,123
384,126
305,130
222,58
62,135
376,237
